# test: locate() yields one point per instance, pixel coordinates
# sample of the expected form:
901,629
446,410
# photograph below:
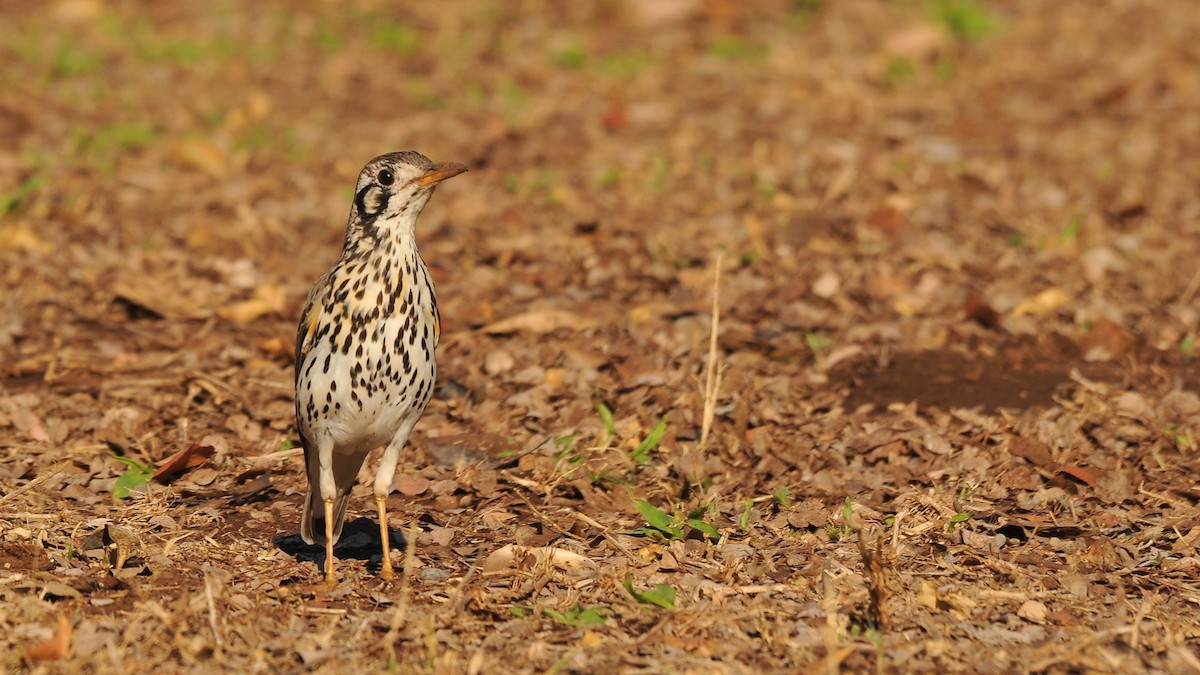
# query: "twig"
399,616
1190,291
54,471
712,375
212,611
608,537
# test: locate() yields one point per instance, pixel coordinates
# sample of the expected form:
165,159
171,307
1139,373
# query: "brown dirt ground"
956,424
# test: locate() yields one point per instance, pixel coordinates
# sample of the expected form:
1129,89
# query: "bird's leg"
383,488
330,576
385,569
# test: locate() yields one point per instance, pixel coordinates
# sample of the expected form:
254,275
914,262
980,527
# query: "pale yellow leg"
330,576
385,569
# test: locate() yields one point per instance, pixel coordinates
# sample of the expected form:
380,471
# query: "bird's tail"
312,521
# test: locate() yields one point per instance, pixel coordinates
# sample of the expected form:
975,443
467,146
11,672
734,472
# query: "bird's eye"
386,177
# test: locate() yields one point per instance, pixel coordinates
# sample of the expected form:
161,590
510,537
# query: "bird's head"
393,188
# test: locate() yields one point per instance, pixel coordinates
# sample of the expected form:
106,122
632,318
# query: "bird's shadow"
359,541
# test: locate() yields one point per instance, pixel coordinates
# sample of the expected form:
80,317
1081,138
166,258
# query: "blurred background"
916,203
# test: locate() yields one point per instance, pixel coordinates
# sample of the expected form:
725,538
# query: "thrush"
365,347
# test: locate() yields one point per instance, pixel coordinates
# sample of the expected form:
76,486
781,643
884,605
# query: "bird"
365,345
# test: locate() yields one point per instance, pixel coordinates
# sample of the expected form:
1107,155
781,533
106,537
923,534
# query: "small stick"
54,471
712,376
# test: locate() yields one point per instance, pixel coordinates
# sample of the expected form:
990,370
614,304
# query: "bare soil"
956,421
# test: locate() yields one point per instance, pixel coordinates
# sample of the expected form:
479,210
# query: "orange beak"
440,173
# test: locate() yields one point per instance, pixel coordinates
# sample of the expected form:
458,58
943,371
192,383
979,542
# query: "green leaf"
661,595
578,616
956,519
744,519
701,526
9,201
641,454
519,611
659,519
606,418
782,497
133,478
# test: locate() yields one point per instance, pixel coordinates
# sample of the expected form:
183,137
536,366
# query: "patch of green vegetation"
625,64
660,171
184,51
1187,346
743,521
425,94
512,182
606,479
571,56
641,454
579,616
733,47
102,147
661,595
1070,233
477,96
1181,437
513,95
134,477
837,532
72,58
609,177
10,200
802,12
817,344
899,70
782,497
606,418
678,526
329,39
945,68
393,36
965,19
956,520
568,455
520,611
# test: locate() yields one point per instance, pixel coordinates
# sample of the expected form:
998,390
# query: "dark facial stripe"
371,201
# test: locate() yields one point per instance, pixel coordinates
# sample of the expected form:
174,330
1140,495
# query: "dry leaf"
1033,611
927,596
200,153
188,458
410,485
156,300
21,238
540,321
1043,303
507,556
267,299
57,647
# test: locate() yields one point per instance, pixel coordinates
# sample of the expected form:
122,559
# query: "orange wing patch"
310,329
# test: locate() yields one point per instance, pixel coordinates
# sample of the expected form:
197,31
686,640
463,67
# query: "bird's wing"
310,319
